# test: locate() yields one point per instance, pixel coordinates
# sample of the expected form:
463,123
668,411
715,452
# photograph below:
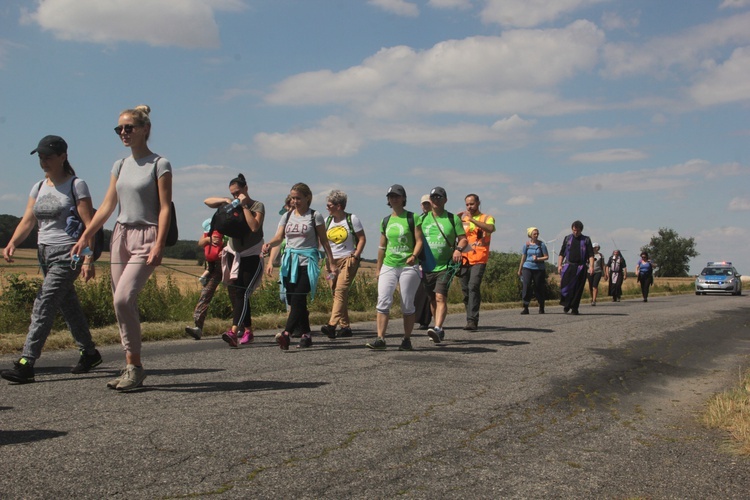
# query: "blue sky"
629,115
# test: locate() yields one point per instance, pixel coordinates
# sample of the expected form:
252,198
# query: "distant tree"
8,225
670,253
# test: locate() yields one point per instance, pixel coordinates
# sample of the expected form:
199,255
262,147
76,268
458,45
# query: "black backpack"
230,221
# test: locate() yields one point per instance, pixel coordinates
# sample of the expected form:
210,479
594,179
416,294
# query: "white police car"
718,277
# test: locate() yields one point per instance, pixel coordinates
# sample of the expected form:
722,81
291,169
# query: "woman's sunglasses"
127,128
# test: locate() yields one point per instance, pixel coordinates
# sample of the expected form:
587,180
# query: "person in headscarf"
532,269
616,272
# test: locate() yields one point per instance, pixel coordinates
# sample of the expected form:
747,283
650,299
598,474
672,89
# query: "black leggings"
296,297
241,288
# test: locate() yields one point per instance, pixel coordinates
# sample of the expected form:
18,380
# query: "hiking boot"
405,345
423,326
282,338
305,341
525,310
329,331
344,332
194,331
471,326
230,338
378,344
112,384
436,334
86,362
541,309
21,373
132,378
247,337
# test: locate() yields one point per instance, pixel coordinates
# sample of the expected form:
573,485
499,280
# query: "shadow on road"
243,386
18,437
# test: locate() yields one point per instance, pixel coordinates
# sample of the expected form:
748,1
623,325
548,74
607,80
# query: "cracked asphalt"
601,405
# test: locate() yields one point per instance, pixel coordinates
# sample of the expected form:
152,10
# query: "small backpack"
74,224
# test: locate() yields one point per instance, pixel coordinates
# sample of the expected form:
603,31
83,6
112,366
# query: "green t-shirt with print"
399,241
441,249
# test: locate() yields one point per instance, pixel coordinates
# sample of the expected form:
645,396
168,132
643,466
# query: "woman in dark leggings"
242,260
304,230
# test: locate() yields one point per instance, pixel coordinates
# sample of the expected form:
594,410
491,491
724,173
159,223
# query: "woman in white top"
142,186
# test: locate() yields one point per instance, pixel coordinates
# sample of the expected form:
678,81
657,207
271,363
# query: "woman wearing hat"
595,278
51,203
532,269
400,244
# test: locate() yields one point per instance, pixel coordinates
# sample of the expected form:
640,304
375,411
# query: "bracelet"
381,248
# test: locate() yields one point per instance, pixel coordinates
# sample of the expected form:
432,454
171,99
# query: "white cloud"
609,155
576,134
613,21
520,200
480,75
182,23
398,7
728,82
734,4
530,13
422,134
450,4
691,49
333,137
739,205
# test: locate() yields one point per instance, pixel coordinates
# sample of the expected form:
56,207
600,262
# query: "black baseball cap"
438,191
397,189
51,144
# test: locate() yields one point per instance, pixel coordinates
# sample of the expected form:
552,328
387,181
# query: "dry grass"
730,411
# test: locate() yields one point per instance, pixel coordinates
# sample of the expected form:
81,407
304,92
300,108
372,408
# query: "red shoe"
230,338
283,340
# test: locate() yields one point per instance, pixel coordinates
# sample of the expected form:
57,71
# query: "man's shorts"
437,282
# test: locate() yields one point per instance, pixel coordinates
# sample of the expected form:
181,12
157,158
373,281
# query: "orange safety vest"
479,252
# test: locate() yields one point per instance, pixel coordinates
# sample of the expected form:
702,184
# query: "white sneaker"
132,378
194,331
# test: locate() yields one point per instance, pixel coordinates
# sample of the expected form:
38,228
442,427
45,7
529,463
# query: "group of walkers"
418,253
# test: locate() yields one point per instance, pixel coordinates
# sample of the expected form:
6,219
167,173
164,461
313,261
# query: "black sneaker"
86,362
405,345
22,372
329,331
378,344
305,341
436,334
344,332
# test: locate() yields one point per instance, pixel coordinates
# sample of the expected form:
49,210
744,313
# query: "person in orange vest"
479,228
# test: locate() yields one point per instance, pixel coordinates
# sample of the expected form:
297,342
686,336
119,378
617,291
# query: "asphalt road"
601,405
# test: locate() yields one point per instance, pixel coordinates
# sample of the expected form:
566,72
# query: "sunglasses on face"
127,128
436,196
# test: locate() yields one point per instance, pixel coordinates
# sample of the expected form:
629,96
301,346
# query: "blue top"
530,251
644,267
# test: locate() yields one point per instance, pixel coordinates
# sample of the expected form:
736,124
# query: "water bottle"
76,259
84,253
235,203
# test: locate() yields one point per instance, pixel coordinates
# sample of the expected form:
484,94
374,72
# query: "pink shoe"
230,338
247,337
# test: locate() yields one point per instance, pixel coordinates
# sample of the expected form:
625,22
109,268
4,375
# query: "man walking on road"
478,228
445,237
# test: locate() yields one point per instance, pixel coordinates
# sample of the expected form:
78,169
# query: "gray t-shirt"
137,189
252,239
52,209
300,231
